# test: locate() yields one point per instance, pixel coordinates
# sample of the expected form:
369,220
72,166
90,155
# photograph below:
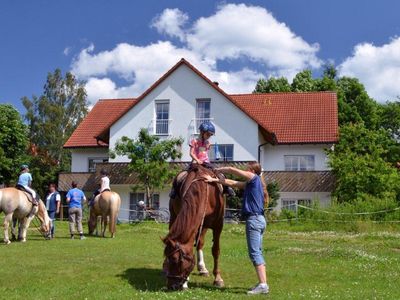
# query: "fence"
162,215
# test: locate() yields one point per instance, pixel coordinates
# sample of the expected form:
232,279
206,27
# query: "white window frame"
292,203
95,161
161,126
202,115
305,162
222,152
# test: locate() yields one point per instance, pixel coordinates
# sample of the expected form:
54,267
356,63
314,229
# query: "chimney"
216,83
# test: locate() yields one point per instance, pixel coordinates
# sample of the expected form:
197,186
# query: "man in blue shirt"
75,198
255,196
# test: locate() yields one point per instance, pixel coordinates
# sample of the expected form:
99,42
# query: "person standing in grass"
75,198
255,197
53,201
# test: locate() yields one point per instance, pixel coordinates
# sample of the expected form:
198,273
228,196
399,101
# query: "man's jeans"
255,227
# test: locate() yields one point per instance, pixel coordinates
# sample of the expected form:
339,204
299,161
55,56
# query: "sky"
119,48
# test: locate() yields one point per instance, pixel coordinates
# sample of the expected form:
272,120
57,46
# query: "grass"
301,265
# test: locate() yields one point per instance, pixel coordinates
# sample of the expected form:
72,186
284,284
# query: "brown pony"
201,207
107,206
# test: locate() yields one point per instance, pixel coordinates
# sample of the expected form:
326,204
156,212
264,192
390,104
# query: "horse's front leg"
7,220
201,266
218,281
24,226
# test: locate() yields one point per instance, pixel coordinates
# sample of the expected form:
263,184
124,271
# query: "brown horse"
201,207
15,204
107,206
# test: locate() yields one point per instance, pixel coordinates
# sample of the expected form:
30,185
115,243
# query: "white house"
287,132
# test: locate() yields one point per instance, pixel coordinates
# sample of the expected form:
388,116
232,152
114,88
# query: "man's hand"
208,178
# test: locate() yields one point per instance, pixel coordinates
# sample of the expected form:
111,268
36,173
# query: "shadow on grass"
144,279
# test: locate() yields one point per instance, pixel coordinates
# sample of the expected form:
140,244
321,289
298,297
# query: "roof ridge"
280,93
115,99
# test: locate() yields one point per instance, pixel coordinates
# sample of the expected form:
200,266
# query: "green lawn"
301,265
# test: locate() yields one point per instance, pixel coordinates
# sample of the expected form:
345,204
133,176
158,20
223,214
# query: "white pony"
15,204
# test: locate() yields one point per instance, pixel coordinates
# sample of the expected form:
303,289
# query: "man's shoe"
259,289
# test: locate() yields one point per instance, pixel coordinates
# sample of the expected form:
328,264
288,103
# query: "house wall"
182,88
80,157
272,157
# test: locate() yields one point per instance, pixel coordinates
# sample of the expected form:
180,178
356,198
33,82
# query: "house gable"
182,88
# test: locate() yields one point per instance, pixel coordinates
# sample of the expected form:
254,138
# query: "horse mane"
189,218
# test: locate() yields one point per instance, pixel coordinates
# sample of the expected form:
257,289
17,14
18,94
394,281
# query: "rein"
202,220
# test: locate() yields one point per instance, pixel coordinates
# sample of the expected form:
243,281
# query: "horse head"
92,221
45,222
179,263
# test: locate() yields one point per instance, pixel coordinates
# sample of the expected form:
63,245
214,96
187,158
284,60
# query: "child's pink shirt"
201,149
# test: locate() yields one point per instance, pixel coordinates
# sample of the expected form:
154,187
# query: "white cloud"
233,32
66,51
170,22
377,67
236,31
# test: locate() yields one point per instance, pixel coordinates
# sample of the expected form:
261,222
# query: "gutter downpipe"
259,151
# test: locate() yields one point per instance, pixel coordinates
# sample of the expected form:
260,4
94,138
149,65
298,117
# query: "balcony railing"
161,127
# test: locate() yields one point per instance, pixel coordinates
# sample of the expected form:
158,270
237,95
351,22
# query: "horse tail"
115,203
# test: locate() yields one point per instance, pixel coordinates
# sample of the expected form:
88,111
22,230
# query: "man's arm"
234,171
227,182
58,201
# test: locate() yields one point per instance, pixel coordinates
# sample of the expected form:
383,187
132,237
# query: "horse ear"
164,239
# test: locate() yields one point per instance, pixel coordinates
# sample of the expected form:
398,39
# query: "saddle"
28,195
181,177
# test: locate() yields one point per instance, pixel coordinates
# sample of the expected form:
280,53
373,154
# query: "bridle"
182,256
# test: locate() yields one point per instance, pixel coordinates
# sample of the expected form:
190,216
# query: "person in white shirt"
53,201
104,186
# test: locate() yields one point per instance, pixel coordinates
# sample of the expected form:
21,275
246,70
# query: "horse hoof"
219,283
8,242
204,273
23,241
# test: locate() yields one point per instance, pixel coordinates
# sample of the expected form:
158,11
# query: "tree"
358,162
272,85
273,192
355,105
13,143
149,160
54,115
303,82
369,148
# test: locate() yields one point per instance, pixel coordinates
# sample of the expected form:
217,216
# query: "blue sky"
120,47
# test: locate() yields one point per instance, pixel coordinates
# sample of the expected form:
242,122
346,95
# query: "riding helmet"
207,127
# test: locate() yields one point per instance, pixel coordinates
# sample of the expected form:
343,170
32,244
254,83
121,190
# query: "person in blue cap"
25,182
199,148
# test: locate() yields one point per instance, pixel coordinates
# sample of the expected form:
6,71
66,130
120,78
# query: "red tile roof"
103,114
294,117
284,117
